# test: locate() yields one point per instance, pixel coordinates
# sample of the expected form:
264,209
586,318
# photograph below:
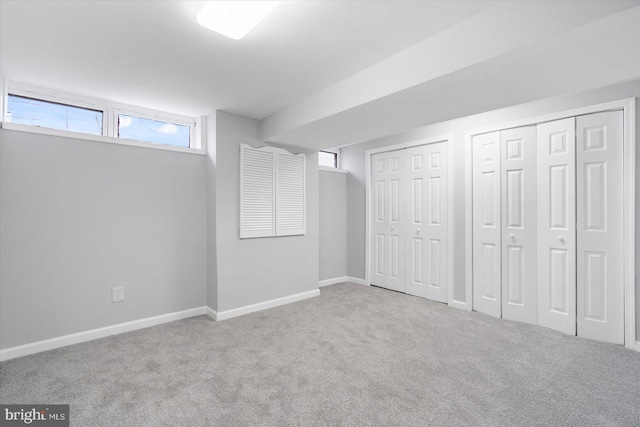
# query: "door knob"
561,239
513,236
418,231
393,228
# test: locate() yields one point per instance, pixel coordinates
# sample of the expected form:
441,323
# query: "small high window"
328,159
158,132
35,109
53,115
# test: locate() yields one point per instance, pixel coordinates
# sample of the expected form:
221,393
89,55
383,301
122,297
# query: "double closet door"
547,225
408,212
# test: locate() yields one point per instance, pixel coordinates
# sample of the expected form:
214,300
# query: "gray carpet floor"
355,355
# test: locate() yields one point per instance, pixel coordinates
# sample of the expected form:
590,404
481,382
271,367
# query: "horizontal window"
46,109
158,132
327,158
53,115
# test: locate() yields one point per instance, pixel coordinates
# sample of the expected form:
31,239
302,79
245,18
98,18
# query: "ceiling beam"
484,38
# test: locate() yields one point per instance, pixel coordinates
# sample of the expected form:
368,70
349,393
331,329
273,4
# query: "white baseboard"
333,281
228,314
459,305
357,281
65,340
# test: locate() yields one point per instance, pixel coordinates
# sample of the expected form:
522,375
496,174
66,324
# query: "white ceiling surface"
156,54
324,73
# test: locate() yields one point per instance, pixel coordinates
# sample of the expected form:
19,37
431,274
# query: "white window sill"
330,169
99,138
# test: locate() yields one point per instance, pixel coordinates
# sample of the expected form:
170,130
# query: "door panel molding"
519,225
427,223
437,247
628,107
600,295
487,229
388,224
556,225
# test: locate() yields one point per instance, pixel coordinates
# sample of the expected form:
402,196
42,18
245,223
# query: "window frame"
110,111
165,118
41,94
336,157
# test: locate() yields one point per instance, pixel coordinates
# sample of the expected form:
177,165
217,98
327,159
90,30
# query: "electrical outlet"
117,294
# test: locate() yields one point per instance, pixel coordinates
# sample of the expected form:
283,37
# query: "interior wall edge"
247,309
333,281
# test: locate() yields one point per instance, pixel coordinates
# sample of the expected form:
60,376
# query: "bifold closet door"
600,290
387,221
426,232
557,225
518,172
487,252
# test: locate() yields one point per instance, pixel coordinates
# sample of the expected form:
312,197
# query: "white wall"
333,225
251,271
353,159
80,217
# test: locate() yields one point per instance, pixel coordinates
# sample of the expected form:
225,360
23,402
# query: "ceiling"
320,74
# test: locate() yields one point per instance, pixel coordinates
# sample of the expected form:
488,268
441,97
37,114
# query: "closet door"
518,172
387,221
486,224
426,187
556,225
600,289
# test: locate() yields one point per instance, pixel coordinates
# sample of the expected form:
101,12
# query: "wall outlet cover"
117,294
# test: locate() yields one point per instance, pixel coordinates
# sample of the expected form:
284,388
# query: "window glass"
52,115
326,158
140,129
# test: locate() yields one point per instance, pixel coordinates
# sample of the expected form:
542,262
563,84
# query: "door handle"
561,239
513,236
393,228
418,231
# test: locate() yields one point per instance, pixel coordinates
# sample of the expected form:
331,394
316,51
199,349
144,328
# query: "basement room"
319,213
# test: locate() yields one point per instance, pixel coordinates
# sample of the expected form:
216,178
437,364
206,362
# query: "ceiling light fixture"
234,19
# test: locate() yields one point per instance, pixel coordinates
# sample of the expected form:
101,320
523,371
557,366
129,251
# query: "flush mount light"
234,19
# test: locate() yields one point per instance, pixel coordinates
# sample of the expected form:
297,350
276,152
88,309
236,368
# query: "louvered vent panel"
272,192
257,193
290,194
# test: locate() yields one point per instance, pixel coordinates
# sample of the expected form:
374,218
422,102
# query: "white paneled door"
487,256
408,212
600,291
556,225
518,175
548,225
426,243
387,221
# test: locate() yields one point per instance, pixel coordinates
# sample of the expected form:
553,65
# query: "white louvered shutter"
272,192
290,194
257,192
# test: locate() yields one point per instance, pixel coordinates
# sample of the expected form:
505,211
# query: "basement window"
39,110
328,159
155,131
53,115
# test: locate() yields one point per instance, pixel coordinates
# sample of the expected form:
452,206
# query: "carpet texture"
354,355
